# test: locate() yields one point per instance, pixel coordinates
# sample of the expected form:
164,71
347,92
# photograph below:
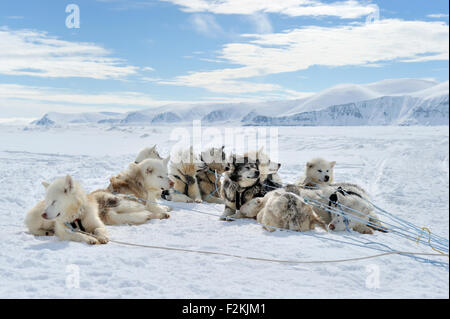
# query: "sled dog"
144,181
214,165
246,177
318,172
67,208
283,209
183,169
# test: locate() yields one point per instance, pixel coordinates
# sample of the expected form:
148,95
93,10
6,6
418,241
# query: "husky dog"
318,172
246,178
119,209
346,198
66,208
214,160
145,181
148,152
283,209
183,170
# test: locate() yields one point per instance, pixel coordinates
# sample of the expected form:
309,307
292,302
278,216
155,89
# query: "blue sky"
138,54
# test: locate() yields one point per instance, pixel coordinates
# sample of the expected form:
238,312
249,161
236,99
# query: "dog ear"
68,184
45,184
153,147
333,163
149,170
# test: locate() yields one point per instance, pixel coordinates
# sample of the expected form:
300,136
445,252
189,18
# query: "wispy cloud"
343,9
206,24
300,49
36,53
261,22
437,16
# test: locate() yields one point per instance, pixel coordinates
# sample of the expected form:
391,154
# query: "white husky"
146,153
67,207
318,172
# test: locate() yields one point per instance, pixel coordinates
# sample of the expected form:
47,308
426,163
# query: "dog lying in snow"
146,181
183,170
249,176
282,209
337,196
318,172
146,153
66,203
208,178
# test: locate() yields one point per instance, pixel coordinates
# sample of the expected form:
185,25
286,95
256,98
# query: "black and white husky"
248,176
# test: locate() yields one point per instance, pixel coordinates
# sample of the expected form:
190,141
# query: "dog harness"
77,224
333,200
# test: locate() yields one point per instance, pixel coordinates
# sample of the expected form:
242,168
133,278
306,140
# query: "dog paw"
92,241
103,240
198,201
164,216
167,208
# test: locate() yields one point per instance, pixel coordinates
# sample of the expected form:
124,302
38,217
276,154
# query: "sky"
134,54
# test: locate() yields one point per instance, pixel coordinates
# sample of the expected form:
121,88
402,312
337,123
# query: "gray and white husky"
246,177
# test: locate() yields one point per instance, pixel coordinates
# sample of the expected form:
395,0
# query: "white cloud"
343,9
437,15
300,49
61,96
206,24
35,53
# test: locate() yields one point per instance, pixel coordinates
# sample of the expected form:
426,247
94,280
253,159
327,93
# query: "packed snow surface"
405,170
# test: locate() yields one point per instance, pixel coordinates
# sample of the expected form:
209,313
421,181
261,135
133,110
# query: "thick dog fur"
146,153
183,170
318,172
247,177
282,209
66,202
214,160
119,209
346,194
146,181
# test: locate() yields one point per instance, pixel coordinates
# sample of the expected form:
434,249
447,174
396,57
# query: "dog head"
214,159
148,152
338,223
320,171
243,170
61,196
153,172
265,164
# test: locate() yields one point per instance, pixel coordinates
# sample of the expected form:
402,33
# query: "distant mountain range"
389,102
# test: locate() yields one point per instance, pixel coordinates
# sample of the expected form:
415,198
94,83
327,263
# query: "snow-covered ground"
405,169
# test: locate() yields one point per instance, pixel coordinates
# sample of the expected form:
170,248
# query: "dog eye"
320,171
53,203
160,177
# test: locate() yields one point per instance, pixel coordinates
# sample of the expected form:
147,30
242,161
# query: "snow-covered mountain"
388,102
